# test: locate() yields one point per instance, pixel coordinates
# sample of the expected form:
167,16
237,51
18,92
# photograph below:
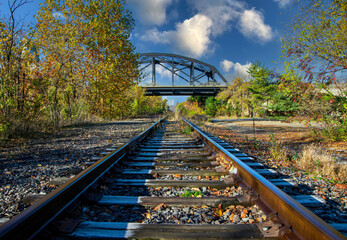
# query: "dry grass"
277,150
314,159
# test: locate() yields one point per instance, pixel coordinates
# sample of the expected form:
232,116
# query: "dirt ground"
293,135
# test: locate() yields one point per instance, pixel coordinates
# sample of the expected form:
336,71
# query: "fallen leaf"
162,205
342,186
219,212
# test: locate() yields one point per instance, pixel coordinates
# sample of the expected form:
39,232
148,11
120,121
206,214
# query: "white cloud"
226,65
252,25
195,36
192,36
58,15
283,3
239,69
153,35
151,11
221,12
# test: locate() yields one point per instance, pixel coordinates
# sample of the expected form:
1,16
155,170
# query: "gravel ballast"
29,167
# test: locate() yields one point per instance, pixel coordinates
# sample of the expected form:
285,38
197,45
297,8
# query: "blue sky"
229,34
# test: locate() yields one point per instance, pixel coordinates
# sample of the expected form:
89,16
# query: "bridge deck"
182,90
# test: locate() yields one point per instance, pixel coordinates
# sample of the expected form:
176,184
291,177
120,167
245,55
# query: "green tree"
261,86
212,106
199,99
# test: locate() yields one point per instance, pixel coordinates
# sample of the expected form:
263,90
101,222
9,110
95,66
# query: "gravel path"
28,167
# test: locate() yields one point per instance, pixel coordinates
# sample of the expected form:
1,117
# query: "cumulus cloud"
283,3
252,25
195,36
226,65
221,12
151,11
239,69
192,36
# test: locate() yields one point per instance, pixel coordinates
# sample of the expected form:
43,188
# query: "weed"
253,142
191,194
277,151
187,130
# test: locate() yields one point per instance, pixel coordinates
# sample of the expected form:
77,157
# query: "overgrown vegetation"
277,150
75,63
315,160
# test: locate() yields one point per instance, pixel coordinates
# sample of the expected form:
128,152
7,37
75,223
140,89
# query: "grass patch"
191,194
315,160
187,130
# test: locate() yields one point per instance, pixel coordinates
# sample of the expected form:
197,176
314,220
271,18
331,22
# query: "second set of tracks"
166,184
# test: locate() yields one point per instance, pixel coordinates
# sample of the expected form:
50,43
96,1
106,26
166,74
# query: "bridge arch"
199,78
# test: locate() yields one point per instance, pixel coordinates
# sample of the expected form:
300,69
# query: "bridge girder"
192,71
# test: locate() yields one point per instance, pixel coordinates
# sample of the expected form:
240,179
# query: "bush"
189,109
212,106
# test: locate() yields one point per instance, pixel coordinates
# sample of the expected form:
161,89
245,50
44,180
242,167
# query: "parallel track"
145,163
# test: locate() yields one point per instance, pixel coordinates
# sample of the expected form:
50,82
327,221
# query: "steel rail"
27,224
302,223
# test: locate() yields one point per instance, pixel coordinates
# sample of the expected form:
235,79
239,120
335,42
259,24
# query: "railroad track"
164,184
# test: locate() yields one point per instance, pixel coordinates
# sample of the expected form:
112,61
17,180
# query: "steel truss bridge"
199,78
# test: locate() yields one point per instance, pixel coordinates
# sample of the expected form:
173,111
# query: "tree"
317,40
199,99
261,86
139,104
212,106
237,97
316,45
86,56
19,94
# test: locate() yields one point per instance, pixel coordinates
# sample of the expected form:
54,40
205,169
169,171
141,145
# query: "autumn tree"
86,56
19,97
140,105
237,97
316,45
317,39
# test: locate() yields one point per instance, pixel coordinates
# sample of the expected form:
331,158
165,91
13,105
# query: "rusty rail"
300,223
35,218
